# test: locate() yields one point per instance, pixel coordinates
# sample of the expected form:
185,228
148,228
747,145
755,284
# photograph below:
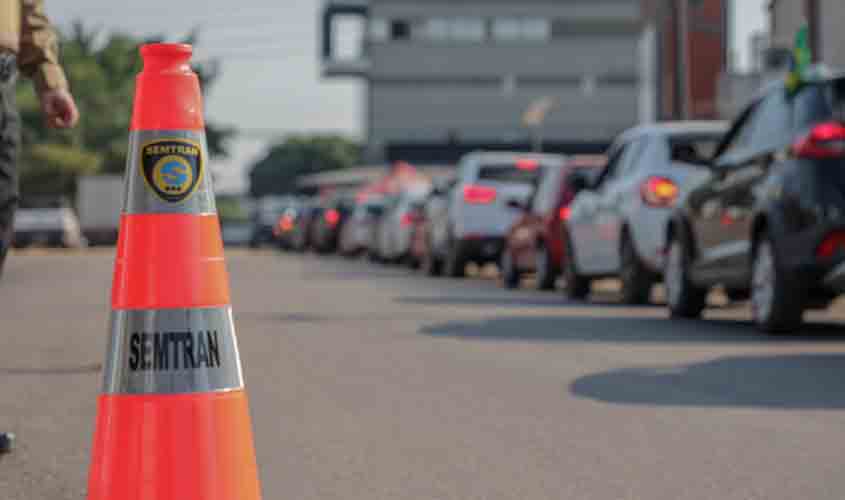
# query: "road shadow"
534,299
626,329
790,382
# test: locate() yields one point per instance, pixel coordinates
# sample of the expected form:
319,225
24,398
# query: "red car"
534,244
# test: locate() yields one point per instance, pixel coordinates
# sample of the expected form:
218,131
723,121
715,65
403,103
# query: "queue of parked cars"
755,207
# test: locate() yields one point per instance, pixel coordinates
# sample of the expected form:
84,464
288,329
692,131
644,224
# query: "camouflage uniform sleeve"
38,57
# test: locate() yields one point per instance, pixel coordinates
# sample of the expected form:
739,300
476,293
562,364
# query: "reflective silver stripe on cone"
141,198
172,351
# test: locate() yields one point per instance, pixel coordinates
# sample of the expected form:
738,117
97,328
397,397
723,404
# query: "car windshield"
820,102
694,148
509,173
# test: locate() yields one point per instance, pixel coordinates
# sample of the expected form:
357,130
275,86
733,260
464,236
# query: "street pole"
538,138
684,60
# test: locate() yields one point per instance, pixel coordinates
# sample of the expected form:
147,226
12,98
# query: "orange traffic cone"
173,419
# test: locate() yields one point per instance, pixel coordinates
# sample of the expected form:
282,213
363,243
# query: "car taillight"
834,242
479,194
286,223
659,192
409,218
826,140
527,164
332,217
564,212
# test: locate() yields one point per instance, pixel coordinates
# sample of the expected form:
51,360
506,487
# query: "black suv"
769,220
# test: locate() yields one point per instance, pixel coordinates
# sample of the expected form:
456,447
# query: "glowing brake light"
659,192
834,242
826,140
479,195
565,212
286,223
409,218
527,164
332,217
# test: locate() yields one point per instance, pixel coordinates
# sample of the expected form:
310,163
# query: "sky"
270,83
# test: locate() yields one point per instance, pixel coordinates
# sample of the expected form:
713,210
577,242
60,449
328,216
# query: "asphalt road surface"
371,383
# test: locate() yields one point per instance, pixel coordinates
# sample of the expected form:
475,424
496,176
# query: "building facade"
824,19
448,76
692,48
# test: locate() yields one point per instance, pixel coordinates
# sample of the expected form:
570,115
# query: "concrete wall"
577,9
788,16
832,40
429,91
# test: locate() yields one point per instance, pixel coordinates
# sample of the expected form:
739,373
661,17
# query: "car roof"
492,156
586,161
688,127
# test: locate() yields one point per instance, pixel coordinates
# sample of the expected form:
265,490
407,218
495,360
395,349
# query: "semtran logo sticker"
172,168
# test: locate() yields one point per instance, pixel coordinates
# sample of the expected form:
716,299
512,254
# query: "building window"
400,30
445,30
467,29
521,29
435,30
378,29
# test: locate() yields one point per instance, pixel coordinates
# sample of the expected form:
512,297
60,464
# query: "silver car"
618,220
357,232
395,228
479,217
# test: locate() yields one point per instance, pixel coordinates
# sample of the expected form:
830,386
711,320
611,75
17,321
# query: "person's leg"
9,145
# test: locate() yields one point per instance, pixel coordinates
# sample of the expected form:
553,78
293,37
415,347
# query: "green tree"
297,155
102,77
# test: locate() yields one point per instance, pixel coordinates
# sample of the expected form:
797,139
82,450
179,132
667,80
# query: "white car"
617,222
479,217
396,225
54,227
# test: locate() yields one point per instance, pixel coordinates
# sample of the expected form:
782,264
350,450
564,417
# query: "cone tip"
166,49
162,56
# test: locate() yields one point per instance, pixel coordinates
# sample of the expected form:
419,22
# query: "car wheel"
4,251
577,286
685,299
636,279
456,261
737,295
431,265
412,262
546,275
510,274
777,299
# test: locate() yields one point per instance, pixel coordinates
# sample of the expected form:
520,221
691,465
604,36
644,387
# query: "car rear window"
819,103
693,149
509,172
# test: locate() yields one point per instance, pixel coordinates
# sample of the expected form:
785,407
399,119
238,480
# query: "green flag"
802,57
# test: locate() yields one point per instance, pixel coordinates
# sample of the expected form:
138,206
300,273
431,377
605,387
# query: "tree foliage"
297,155
102,78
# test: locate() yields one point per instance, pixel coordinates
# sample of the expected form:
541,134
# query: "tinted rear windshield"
820,102
693,148
508,172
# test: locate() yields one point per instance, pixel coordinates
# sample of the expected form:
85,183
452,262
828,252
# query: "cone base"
173,447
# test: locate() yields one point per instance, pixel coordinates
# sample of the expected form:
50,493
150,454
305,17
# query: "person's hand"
59,108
